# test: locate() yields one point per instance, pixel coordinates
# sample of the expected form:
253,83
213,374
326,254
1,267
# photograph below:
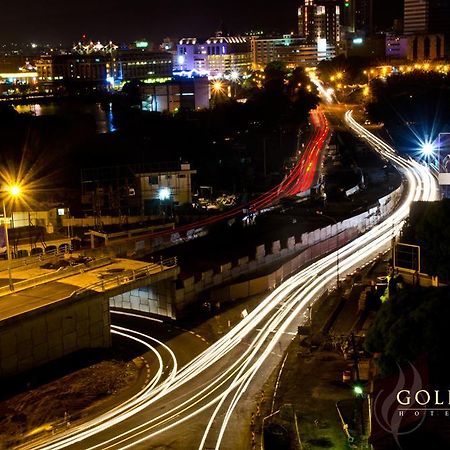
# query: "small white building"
171,187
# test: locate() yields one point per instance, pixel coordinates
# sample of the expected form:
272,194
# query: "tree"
419,97
428,226
414,322
353,67
132,91
275,74
298,80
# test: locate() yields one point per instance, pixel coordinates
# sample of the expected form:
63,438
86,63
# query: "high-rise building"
426,16
319,20
291,50
416,17
357,16
306,21
427,23
217,55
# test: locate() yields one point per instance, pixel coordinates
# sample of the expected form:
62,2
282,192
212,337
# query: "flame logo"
385,407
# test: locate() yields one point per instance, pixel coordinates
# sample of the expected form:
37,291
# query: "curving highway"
299,179
203,405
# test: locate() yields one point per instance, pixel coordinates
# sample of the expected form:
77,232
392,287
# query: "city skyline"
65,23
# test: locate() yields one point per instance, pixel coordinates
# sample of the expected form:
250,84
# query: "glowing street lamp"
427,148
234,75
217,87
15,190
164,194
358,390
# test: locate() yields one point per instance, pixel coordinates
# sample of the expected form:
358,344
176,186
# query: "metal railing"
34,260
128,276
62,272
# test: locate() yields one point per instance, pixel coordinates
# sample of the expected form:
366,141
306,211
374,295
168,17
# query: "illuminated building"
180,93
56,70
16,71
172,187
103,66
319,19
139,65
396,46
215,56
416,17
291,50
135,189
427,25
357,16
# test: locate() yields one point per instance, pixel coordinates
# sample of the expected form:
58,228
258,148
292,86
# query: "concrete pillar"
291,243
260,252
276,247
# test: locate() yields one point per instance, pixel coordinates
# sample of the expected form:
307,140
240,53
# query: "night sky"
123,21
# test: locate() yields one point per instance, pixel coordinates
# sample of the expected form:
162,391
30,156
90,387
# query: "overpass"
54,312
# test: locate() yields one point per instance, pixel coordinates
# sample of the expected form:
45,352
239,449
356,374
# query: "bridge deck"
118,272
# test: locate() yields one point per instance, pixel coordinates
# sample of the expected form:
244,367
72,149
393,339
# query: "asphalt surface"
22,302
205,404
46,293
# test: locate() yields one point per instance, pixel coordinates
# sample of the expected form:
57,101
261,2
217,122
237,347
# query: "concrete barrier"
45,334
275,247
311,246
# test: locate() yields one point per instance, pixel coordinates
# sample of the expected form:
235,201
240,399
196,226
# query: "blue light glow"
164,194
427,148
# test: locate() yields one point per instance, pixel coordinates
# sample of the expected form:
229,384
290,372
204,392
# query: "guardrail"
105,284
29,261
128,276
62,272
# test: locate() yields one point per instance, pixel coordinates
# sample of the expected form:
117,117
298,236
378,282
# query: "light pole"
320,213
14,191
428,150
8,253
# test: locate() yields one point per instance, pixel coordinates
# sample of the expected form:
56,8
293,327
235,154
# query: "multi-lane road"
204,404
301,178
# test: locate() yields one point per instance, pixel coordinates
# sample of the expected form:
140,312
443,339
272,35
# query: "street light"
14,192
320,213
234,76
358,390
427,148
217,87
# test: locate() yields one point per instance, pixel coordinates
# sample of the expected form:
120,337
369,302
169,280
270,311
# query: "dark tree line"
428,226
413,323
420,100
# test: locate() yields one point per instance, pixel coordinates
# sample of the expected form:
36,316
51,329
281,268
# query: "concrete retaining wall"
310,246
45,334
270,281
154,299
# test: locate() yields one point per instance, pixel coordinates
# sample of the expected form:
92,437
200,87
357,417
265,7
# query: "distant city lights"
234,76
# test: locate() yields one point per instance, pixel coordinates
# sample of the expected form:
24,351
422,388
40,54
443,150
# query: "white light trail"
221,374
